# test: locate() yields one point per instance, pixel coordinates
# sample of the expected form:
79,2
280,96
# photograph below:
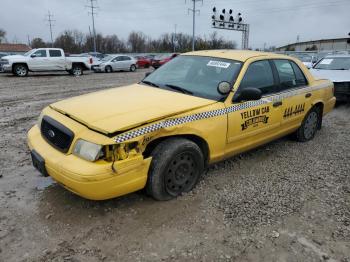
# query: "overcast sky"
274,22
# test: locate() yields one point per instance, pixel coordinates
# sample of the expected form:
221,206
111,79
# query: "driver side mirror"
33,55
248,94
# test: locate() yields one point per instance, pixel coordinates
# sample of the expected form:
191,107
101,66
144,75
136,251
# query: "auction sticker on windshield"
219,64
326,61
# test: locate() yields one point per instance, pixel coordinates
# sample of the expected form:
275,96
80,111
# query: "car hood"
333,75
122,108
13,57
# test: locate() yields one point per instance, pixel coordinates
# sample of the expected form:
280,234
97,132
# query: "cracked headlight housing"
87,150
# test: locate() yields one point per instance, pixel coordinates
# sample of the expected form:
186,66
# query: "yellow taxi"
161,133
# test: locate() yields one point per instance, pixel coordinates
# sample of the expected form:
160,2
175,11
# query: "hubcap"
21,70
310,125
77,71
181,174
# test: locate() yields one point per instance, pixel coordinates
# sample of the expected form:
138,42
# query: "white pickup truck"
43,60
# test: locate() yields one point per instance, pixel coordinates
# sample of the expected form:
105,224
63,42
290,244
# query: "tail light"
90,60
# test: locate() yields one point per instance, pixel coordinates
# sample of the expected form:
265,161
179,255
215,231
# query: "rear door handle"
276,104
308,95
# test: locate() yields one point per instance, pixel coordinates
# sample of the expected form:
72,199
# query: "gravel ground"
286,201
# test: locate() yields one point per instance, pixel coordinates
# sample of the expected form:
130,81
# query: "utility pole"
93,13
194,12
28,40
50,20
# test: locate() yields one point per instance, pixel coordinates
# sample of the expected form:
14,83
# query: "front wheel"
309,126
177,164
20,70
108,69
132,68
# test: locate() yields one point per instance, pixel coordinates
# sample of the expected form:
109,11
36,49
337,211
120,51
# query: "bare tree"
137,41
38,43
2,35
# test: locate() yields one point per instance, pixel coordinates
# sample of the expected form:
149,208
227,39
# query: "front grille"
56,134
342,87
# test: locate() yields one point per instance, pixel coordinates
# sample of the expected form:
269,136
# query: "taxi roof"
238,55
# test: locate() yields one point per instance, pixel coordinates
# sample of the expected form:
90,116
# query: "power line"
50,20
93,13
194,12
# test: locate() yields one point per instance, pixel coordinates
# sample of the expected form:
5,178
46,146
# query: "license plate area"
39,163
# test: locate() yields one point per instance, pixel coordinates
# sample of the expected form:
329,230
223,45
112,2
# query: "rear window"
55,53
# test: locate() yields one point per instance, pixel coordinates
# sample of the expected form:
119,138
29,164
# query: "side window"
299,75
286,74
118,59
126,58
40,53
55,53
259,75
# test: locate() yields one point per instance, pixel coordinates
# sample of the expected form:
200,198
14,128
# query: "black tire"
176,167
132,68
20,70
77,70
309,126
147,65
108,69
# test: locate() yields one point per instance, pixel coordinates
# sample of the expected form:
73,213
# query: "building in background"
14,48
318,45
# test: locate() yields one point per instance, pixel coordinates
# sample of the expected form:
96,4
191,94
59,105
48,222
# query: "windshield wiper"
149,83
181,89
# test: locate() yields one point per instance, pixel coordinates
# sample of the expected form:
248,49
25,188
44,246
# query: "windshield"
107,58
29,52
197,75
334,63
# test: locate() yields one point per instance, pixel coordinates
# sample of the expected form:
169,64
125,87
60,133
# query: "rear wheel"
20,70
177,164
77,70
309,126
108,69
132,68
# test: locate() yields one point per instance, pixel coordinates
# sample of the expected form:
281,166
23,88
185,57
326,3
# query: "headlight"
4,61
87,150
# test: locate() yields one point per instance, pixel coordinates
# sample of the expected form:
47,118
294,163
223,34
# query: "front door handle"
278,103
308,95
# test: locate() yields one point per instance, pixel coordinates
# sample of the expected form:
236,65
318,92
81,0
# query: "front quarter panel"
208,123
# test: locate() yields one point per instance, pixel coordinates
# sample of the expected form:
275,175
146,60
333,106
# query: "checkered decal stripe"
185,119
204,115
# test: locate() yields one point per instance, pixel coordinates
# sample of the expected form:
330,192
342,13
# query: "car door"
57,61
39,61
294,93
127,62
251,123
117,63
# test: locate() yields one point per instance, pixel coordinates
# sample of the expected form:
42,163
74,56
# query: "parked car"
337,69
161,133
112,63
143,62
306,59
44,60
160,60
3,54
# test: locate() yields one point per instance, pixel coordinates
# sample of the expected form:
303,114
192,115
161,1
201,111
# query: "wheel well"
81,64
203,145
320,106
14,64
